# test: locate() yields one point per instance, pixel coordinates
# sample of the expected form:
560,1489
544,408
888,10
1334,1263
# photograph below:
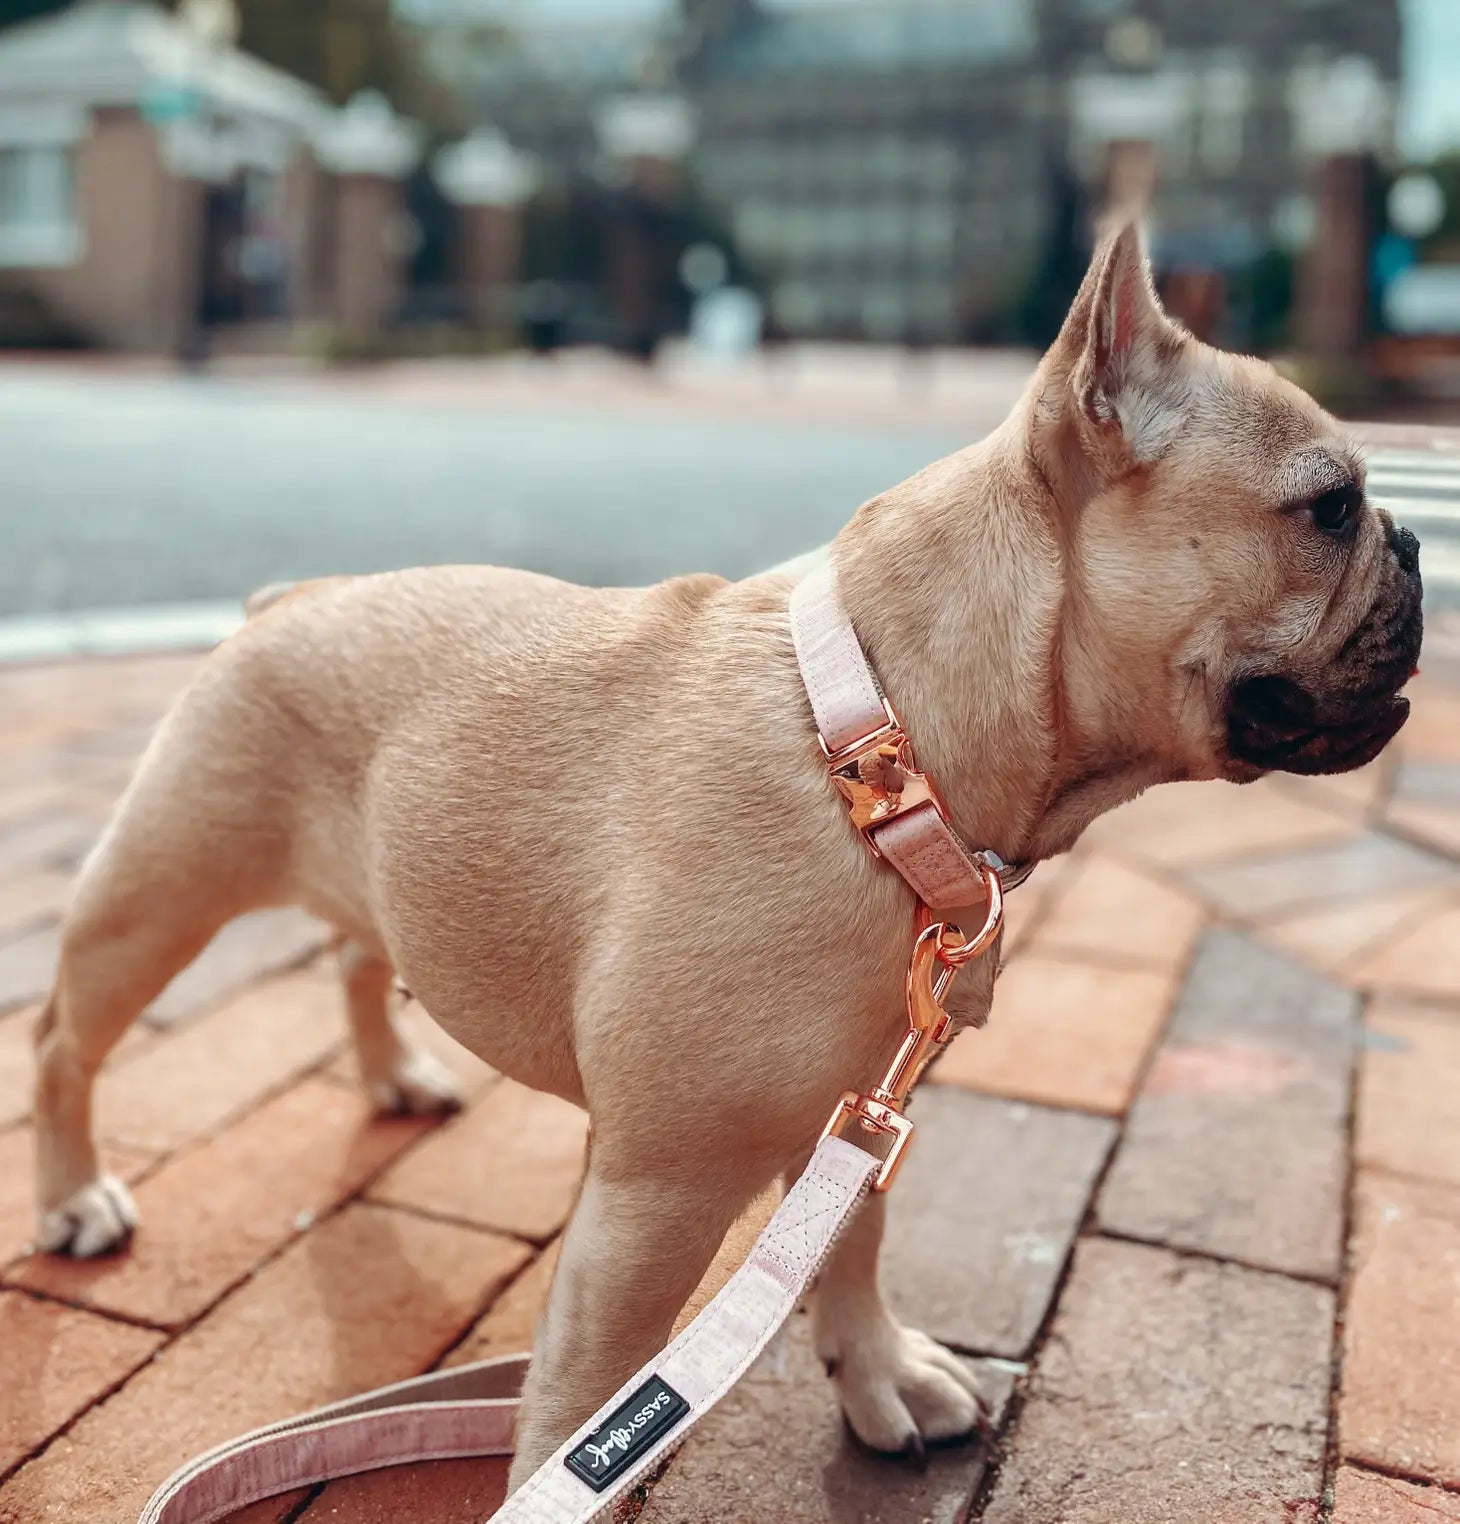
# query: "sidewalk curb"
118,631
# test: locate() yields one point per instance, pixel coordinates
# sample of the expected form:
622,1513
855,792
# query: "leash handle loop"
472,1410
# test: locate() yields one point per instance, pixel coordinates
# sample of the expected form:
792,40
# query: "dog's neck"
958,583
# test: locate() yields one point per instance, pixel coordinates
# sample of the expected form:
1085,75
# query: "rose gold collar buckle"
879,778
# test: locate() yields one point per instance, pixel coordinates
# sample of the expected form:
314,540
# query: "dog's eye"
1335,510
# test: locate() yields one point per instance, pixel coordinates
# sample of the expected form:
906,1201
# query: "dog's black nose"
1406,549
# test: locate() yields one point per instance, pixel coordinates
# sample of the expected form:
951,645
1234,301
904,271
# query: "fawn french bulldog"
592,832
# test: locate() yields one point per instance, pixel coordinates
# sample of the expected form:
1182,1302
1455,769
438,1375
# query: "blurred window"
38,223
884,313
1227,95
798,305
939,166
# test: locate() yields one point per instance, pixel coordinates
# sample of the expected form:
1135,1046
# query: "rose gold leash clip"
939,952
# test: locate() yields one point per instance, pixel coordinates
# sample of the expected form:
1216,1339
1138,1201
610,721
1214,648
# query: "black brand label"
631,1429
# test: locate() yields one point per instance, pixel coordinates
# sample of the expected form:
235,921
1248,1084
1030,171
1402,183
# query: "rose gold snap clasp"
939,952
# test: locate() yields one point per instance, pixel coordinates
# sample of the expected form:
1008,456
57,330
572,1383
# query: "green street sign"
171,103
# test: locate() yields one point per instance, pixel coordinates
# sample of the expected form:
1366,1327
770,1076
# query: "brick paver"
193,1082
51,840
1064,1033
17,1064
254,945
1337,938
1431,825
998,1189
1400,1404
17,1202
775,1451
1107,910
57,1361
1359,794
1173,1389
508,1325
1237,1144
448,1492
1423,957
1217,822
17,1058
477,1169
1024,911
1276,883
367,1294
31,898
214,1213
1151,1072
27,966
1408,1119
1364,1497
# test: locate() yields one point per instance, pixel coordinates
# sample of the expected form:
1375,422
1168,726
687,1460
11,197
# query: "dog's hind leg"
128,933
398,1075
196,841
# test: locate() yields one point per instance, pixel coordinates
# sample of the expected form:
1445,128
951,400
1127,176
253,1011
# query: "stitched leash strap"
864,742
471,1411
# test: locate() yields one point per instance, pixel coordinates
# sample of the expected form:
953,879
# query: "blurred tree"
12,11
1264,293
1444,243
344,46
339,45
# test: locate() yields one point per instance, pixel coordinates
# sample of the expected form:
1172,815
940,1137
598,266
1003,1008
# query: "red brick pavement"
1193,1198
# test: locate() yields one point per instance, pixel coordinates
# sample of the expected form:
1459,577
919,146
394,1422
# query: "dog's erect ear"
1127,379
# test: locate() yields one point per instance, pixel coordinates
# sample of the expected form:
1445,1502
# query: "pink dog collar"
896,807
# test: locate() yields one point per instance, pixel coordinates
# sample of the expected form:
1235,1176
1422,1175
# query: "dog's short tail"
275,592
266,597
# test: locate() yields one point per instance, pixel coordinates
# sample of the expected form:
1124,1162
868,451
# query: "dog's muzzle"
1348,714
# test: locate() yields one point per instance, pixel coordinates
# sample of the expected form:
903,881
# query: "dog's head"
1233,601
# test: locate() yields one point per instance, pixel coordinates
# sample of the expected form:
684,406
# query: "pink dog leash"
472,1410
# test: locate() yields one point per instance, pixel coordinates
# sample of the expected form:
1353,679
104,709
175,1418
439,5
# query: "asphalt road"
126,490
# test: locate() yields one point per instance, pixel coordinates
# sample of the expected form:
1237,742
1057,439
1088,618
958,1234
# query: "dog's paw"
902,1391
95,1220
420,1086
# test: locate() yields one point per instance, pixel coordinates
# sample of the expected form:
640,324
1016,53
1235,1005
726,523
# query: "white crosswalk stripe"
1422,491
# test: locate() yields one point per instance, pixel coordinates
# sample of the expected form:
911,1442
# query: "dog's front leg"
899,1388
636,1248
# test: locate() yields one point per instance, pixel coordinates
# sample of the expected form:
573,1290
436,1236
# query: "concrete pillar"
1342,115
1333,278
1130,176
489,183
305,205
193,161
179,272
369,151
646,138
367,271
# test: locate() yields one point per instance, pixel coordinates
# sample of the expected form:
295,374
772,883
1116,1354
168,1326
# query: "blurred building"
915,169
918,171
155,182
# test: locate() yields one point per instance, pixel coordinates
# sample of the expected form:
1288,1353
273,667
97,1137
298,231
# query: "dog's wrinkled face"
1263,614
